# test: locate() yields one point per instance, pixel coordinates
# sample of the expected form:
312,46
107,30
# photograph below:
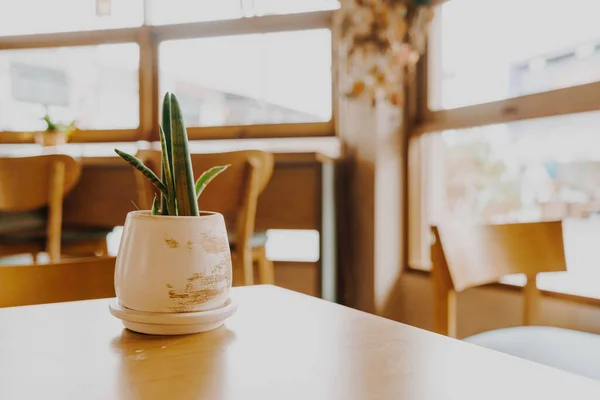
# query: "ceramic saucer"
172,323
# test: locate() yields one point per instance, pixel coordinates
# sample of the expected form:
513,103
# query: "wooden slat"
55,207
25,182
85,38
444,294
80,279
570,100
280,159
590,301
147,129
317,129
83,136
148,84
297,276
302,158
314,129
480,254
288,201
106,136
9,137
106,161
102,198
512,288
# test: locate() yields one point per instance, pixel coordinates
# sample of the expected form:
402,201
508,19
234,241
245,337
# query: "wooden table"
279,345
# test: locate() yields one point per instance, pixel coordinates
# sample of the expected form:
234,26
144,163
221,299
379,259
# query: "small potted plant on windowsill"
173,272
56,134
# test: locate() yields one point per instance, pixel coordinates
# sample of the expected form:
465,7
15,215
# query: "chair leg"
102,249
266,271
247,268
54,224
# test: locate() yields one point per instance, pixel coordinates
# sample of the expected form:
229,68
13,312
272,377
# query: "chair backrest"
29,183
226,193
81,279
26,182
234,193
465,256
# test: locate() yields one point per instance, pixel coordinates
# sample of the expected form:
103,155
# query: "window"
293,245
512,129
241,69
497,49
271,78
539,169
24,17
533,170
97,86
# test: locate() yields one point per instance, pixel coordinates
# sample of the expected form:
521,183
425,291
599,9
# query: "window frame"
557,102
582,98
149,38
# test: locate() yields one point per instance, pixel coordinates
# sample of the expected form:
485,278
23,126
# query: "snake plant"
178,193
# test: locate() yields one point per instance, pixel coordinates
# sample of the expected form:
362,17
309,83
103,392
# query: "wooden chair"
234,194
27,184
82,279
468,256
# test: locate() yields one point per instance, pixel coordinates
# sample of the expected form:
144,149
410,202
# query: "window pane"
163,12
272,78
180,11
537,170
97,86
497,49
293,245
544,169
262,7
22,17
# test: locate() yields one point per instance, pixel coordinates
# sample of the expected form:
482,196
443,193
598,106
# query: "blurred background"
384,120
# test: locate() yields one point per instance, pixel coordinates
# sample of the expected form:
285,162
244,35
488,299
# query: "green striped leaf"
155,206
167,157
167,173
166,126
183,174
137,164
208,176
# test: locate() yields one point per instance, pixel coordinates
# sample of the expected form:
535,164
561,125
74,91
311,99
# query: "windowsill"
561,285
560,282
328,146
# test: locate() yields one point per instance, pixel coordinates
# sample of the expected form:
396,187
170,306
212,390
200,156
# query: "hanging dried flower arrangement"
380,40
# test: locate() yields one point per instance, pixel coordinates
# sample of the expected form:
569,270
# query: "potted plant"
173,269
56,134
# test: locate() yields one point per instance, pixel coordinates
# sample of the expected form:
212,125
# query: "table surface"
279,345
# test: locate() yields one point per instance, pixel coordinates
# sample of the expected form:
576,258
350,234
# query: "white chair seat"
572,351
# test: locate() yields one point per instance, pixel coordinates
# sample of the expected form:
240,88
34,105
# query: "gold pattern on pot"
172,243
214,244
201,288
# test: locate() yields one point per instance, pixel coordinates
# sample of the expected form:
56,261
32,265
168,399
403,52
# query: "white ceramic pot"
173,264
